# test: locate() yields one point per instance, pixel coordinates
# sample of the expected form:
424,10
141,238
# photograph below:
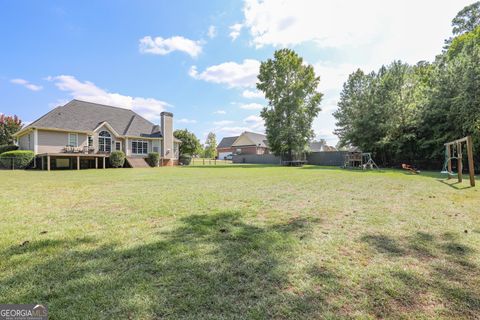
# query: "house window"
90,141
118,146
104,142
73,140
139,147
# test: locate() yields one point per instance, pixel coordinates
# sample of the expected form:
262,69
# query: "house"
246,143
82,135
224,148
320,146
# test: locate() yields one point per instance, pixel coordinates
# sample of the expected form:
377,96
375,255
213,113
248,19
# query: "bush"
153,158
19,159
7,147
117,159
185,159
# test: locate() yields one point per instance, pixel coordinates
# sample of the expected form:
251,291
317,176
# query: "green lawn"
237,241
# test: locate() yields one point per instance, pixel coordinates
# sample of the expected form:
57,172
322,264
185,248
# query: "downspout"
35,147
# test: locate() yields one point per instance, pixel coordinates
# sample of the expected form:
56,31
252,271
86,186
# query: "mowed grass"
240,242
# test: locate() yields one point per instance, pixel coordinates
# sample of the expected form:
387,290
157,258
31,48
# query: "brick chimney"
166,124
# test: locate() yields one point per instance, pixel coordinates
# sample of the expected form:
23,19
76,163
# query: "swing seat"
448,172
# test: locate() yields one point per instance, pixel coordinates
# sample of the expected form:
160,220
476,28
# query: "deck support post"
78,162
96,162
48,163
103,162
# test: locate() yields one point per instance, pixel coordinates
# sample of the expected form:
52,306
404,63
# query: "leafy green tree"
290,87
190,144
467,19
9,125
211,146
378,112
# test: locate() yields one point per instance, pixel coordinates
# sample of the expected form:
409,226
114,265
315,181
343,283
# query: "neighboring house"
225,148
320,146
246,143
82,135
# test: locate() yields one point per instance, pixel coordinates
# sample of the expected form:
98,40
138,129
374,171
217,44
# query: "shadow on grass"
218,266
337,168
455,184
212,266
234,165
450,283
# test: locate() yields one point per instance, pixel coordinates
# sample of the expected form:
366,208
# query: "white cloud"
186,121
255,123
161,46
223,122
230,73
228,128
220,112
251,106
149,108
333,75
26,84
212,32
251,94
235,30
231,131
368,28
329,106
293,22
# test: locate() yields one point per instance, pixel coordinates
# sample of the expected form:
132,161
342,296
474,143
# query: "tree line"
405,113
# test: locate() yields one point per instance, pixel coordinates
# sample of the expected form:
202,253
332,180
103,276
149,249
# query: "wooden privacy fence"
208,162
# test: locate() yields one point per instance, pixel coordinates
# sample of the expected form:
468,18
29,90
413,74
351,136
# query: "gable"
243,140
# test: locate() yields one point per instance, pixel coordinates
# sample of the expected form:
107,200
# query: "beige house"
82,135
246,143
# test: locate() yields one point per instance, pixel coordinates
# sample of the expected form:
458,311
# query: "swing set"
453,151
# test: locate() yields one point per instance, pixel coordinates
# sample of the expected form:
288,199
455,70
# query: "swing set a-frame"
453,151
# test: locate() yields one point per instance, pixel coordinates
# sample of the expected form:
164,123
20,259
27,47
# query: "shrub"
153,158
117,159
7,147
185,159
19,159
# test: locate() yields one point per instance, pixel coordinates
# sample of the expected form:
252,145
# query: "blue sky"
199,59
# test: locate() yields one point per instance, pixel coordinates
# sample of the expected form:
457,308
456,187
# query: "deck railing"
84,149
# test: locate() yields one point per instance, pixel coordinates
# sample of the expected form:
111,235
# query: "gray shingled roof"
227,142
258,139
87,116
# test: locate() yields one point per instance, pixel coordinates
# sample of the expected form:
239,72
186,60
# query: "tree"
211,146
190,144
9,125
290,87
379,112
407,112
467,19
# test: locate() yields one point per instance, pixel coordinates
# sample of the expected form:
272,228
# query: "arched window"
104,142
